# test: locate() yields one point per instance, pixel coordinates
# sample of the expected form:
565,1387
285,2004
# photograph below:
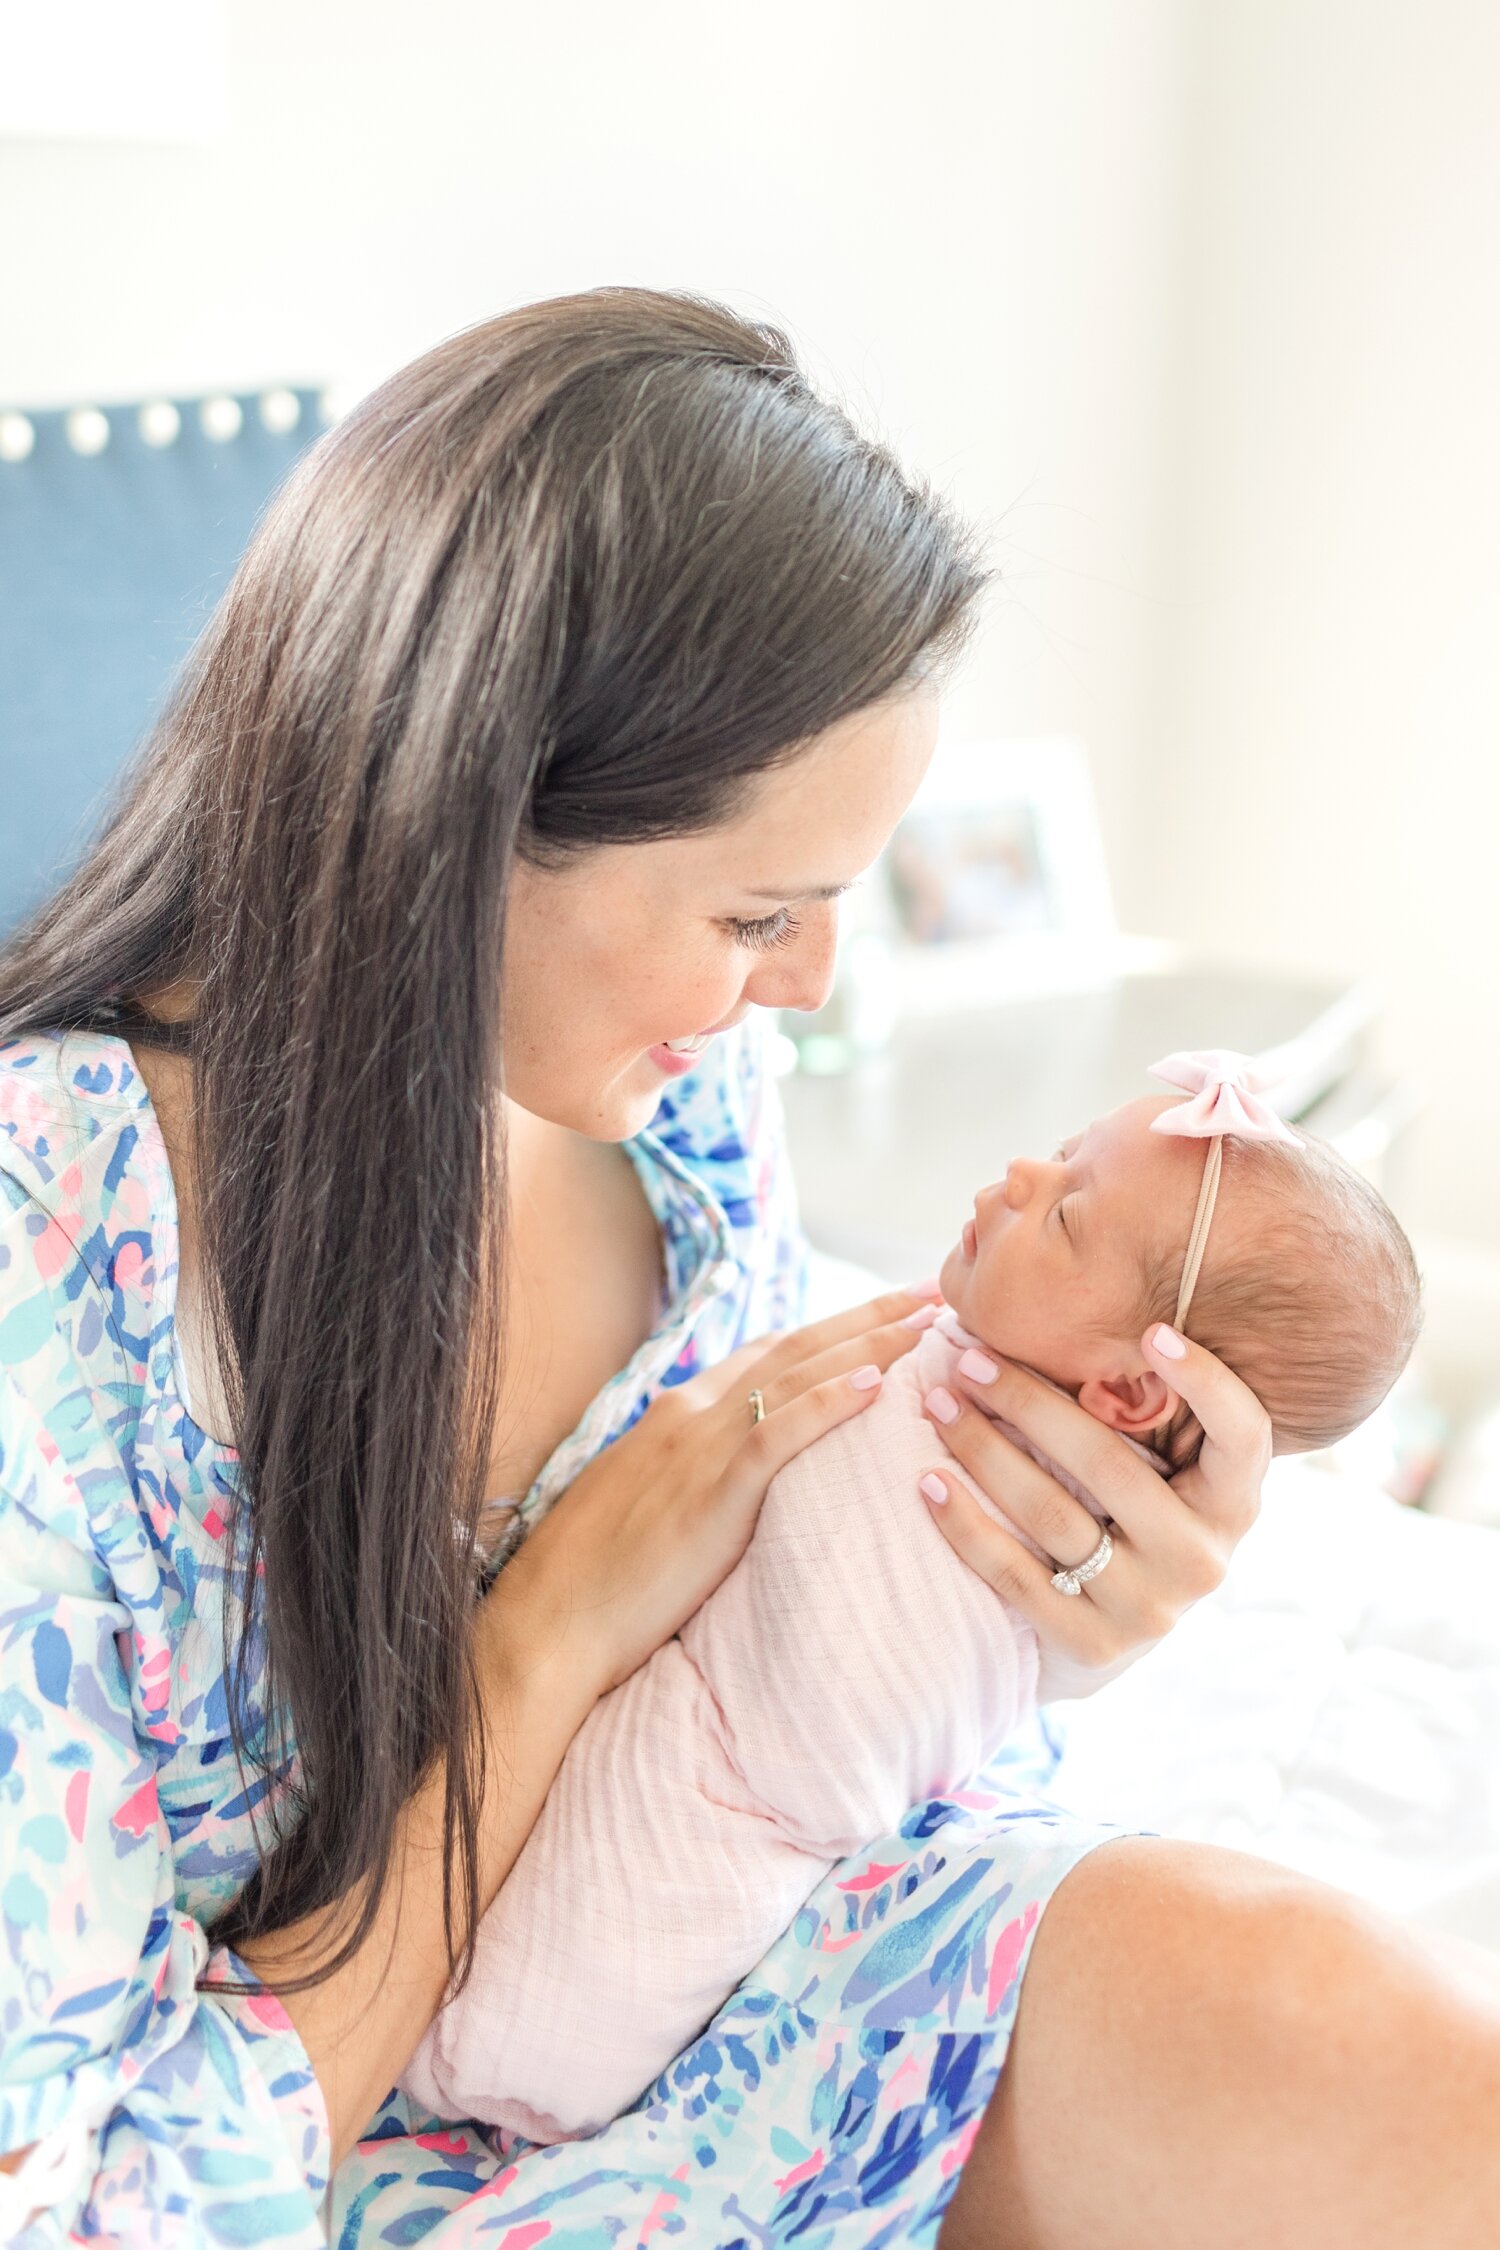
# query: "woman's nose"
799,975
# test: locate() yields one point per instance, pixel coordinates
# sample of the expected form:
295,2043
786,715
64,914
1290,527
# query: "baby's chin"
1008,1338
953,1279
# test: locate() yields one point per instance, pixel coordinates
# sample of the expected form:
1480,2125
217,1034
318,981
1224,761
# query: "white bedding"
1335,1707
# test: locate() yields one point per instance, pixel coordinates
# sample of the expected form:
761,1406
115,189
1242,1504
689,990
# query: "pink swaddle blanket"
848,1667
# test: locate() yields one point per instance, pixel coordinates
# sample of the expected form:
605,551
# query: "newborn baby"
851,1665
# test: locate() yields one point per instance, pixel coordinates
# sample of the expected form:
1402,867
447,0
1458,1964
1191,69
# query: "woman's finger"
768,1446
762,1366
892,1305
1033,1500
1184,1551
770,1355
881,1347
1095,1457
1019,1577
1223,1484
735,1372
1086,1637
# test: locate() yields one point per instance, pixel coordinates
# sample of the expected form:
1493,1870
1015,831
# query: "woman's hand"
646,1532
1172,1540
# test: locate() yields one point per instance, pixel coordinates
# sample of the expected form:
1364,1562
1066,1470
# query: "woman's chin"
625,1120
617,1113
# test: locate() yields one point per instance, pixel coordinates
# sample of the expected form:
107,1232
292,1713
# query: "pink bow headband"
1226,1091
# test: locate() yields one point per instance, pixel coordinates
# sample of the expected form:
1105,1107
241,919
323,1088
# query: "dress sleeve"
156,2108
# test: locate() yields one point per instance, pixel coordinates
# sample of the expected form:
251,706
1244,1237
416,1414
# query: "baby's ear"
1132,1404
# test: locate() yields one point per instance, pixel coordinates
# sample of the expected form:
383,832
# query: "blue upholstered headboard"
112,555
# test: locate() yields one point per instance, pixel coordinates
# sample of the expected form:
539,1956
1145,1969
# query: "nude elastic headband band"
1226,1091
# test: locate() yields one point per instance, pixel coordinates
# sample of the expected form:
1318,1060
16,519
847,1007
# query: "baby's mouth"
970,1239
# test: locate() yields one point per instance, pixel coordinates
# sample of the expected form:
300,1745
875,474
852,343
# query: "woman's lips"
671,1063
681,1055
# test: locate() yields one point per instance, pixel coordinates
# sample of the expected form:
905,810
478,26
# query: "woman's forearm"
361,2025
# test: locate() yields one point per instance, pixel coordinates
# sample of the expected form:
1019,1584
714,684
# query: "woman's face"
633,946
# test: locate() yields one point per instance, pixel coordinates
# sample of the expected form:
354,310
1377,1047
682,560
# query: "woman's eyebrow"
825,890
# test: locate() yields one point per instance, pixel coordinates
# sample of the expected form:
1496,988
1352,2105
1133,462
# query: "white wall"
1323,752
1193,304
965,214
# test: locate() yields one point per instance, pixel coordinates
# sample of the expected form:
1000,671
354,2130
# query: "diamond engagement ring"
757,1408
1073,1581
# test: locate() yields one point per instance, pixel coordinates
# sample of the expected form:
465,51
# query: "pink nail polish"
864,1378
978,1368
923,1317
933,1488
942,1406
1167,1341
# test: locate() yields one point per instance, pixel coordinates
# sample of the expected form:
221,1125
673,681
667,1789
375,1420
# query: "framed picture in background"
994,887
997,873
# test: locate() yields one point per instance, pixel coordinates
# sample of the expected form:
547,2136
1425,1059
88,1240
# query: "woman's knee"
1205,2041
1241,1962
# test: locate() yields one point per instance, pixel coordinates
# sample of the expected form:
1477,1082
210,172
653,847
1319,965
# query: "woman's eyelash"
771,930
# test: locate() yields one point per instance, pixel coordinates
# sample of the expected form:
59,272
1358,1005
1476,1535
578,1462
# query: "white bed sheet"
1334,1707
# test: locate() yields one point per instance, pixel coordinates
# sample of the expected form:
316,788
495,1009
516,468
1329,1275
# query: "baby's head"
1308,1287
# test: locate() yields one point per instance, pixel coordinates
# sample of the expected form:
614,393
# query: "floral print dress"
833,2099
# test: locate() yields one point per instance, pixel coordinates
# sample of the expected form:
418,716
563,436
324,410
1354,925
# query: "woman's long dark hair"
574,578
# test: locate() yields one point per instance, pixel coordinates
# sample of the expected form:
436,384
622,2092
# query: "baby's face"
1050,1267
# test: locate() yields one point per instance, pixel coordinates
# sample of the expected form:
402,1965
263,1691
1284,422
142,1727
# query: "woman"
409,1131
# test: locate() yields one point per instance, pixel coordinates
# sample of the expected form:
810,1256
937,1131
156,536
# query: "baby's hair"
1311,1293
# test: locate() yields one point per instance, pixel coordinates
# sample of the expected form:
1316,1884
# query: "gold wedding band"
757,1407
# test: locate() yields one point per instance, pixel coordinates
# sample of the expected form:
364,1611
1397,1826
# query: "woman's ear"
1132,1404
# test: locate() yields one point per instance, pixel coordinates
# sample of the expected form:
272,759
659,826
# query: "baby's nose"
1019,1181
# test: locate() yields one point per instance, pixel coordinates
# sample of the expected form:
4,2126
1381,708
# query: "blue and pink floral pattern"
835,2096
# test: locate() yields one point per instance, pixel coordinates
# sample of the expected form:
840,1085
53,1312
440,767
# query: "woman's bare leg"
1212,2054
